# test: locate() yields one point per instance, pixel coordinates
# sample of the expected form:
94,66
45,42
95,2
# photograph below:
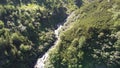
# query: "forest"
90,39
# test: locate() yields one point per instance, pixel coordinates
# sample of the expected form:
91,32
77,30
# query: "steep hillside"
93,41
26,29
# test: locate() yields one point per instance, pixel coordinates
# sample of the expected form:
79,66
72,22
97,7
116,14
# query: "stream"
41,61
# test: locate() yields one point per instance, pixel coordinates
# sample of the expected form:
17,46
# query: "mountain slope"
26,29
93,40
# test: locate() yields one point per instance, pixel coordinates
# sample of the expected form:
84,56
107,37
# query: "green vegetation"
27,32
26,29
93,40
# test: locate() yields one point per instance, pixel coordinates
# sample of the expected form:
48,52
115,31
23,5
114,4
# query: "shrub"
1,24
25,48
17,39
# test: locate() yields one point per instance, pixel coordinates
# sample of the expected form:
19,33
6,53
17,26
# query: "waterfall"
41,61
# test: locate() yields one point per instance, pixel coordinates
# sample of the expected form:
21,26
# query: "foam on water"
41,61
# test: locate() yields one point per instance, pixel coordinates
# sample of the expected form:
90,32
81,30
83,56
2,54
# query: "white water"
41,61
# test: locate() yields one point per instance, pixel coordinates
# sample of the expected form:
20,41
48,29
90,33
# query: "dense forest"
91,41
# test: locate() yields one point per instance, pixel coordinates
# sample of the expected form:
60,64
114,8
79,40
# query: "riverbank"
42,61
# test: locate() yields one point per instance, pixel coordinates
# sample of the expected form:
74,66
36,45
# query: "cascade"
41,61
